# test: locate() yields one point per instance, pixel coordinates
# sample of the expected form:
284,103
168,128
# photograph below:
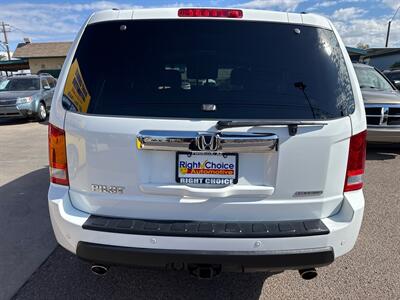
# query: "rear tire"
41,114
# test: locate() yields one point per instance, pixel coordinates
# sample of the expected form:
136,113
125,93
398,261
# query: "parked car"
382,105
394,77
260,170
26,96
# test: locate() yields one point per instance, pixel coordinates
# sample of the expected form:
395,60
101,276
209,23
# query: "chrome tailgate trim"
165,140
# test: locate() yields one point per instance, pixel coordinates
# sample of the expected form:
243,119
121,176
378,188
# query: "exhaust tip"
99,270
308,274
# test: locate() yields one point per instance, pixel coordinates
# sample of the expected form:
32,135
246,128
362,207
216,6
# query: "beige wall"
51,63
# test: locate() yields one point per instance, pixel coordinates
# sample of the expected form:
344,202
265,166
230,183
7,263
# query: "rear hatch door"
141,129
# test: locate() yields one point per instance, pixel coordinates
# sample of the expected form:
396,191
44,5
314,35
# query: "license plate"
206,168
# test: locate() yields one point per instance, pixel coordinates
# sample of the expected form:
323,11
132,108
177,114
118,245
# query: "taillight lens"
356,162
57,156
210,13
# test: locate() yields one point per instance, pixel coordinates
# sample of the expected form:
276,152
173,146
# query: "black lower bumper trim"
229,260
207,229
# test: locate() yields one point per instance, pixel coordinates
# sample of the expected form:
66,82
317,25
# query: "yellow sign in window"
75,88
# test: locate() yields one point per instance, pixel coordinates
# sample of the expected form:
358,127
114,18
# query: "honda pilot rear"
209,140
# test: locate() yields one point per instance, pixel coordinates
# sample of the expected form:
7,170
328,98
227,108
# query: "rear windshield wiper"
292,125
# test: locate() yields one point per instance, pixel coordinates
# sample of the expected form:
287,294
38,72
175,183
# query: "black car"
394,77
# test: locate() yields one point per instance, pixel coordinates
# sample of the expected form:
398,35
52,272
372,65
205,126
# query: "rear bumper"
230,260
383,135
343,228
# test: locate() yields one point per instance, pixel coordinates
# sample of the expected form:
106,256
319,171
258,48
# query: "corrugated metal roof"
37,50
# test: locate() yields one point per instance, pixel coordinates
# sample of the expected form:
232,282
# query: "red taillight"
210,13
57,156
356,162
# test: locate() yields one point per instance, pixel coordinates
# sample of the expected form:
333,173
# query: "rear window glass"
174,68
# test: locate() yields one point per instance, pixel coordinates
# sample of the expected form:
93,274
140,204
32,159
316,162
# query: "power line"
16,28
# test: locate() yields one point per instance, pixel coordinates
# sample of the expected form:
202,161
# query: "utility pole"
388,33
388,29
6,42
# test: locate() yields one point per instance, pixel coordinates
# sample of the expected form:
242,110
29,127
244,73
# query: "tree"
2,56
361,45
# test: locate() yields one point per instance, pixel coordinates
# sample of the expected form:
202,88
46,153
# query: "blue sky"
357,21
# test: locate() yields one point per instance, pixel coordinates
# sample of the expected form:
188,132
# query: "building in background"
383,58
13,66
43,57
356,53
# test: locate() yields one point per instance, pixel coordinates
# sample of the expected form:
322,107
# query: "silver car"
26,96
382,105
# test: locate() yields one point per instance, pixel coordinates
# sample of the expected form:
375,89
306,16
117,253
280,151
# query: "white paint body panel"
67,223
102,150
248,15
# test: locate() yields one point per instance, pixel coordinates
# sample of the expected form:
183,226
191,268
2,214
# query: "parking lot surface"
26,238
33,267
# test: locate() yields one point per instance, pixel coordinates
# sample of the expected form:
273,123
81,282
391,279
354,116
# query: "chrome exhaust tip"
308,274
99,270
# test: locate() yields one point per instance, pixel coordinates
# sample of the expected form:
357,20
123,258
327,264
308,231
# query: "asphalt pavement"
26,237
33,267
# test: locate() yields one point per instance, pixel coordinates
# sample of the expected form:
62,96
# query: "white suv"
209,140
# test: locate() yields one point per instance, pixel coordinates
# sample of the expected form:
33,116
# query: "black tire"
41,114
